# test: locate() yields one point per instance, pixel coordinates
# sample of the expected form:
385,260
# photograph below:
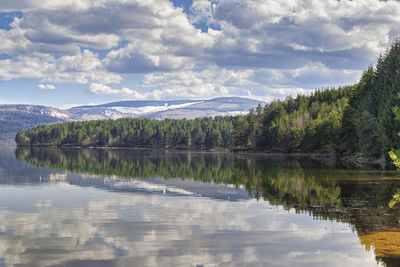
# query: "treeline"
208,133
304,123
361,119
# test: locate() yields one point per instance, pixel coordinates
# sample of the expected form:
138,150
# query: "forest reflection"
276,179
358,197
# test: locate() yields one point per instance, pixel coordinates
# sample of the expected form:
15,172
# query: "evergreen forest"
359,121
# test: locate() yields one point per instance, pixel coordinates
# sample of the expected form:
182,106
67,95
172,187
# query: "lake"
121,207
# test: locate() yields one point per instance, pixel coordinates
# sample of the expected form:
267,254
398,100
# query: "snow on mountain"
21,117
150,109
16,117
177,109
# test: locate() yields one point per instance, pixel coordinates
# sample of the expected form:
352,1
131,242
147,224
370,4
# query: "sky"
72,52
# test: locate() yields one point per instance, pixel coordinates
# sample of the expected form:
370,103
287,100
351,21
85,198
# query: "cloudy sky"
66,52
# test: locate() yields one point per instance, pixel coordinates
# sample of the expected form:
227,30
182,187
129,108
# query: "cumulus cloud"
46,86
101,225
291,34
266,84
251,47
134,94
98,88
209,82
160,37
202,11
81,68
143,58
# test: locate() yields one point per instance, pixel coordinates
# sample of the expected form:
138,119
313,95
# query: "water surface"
96,207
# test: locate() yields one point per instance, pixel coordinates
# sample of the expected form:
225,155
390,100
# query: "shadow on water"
359,197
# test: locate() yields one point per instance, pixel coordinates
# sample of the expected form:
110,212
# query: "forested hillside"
304,123
361,119
16,117
198,133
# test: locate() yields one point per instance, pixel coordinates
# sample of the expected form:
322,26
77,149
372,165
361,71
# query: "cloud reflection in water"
63,224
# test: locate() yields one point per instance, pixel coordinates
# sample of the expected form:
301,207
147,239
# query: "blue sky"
64,52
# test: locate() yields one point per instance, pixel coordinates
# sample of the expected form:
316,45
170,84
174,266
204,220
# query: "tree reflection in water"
365,199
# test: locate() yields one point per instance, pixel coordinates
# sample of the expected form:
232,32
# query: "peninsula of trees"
144,133
362,119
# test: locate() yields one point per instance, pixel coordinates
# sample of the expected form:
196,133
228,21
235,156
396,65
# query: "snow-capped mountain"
16,117
21,117
176,109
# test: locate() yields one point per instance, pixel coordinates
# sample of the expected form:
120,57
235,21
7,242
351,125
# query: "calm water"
89,207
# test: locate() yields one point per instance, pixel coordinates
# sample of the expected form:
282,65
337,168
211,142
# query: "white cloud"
98,88
46,86
207,83
134,94
142,57
290,34
264,84
250,47
100,223
81,68
202,11
159,36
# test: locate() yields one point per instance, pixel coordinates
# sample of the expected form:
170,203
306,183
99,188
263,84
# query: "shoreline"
349,162
193,149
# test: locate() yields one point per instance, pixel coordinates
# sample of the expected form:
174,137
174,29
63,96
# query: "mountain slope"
176,109
21,117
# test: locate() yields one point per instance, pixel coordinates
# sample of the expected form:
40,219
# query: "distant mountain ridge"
138,103
15,117
176,109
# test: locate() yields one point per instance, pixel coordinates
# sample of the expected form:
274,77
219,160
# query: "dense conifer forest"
200,133
361,119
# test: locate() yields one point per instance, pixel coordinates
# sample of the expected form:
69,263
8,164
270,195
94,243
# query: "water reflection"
299,183
275,179
101,227
192,230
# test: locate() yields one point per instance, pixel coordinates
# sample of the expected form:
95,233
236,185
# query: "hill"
22,117
176,109
358,123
